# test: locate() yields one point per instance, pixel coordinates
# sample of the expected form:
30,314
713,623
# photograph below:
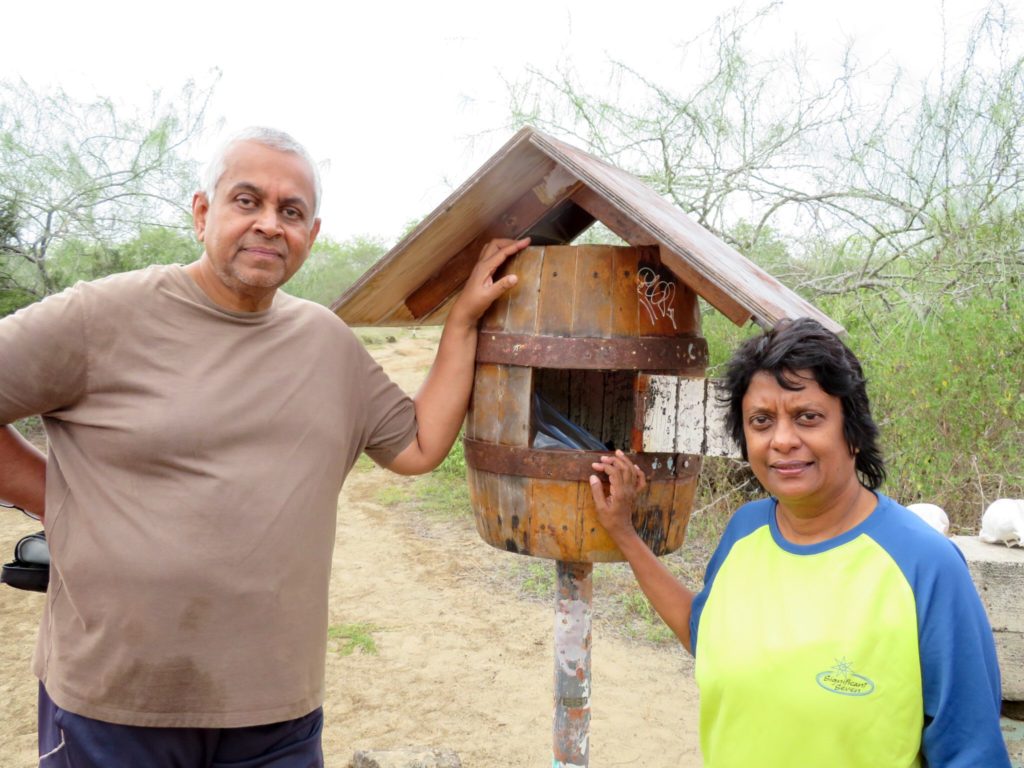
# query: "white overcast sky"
386,94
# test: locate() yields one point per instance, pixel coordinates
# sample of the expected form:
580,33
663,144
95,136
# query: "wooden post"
573,603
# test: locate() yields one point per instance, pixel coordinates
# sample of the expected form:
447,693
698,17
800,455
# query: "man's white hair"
268,137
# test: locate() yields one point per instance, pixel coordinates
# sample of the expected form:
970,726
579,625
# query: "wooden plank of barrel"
579,327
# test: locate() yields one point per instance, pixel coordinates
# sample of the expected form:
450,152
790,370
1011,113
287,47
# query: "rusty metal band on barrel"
570,465
682,354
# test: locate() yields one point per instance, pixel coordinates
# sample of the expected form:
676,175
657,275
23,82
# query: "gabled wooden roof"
538,186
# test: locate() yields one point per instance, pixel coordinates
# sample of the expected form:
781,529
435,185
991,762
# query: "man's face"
259,227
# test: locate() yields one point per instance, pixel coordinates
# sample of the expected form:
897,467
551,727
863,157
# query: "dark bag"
31,567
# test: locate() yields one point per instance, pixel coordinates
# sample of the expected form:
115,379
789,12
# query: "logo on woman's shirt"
843,680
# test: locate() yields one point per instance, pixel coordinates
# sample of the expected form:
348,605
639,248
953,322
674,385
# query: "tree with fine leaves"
332,267
89,172
866,186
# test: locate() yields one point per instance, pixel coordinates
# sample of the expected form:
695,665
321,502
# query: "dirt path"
466,665
461,663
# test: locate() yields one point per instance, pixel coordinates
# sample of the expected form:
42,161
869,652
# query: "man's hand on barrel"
481,289
625,482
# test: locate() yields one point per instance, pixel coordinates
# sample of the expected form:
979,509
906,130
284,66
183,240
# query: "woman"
835,628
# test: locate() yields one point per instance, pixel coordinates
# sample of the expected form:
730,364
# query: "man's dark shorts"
67,740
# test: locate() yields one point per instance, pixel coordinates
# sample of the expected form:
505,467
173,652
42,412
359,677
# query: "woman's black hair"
805,345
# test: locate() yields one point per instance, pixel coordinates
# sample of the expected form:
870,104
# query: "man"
200,425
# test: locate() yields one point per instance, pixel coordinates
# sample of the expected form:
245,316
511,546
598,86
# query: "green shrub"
947,390
946,382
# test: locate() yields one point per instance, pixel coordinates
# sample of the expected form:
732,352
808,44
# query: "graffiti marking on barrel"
656,295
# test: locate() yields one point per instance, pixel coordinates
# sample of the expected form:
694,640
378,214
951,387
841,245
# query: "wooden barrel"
579,326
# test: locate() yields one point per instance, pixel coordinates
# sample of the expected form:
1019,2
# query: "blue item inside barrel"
553,430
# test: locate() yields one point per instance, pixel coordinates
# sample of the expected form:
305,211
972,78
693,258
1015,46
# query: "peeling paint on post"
573,603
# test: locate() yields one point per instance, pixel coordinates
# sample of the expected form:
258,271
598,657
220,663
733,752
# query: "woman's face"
795,442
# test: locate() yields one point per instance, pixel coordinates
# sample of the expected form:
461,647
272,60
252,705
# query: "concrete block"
998,575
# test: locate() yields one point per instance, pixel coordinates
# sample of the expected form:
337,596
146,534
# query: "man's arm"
442,400
22,472
670,598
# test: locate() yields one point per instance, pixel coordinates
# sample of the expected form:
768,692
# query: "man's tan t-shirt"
195,460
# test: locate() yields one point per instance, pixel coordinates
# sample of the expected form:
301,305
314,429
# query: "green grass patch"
377,340
642,621
381,337
363,464
348,638
394,495
445,492
535,577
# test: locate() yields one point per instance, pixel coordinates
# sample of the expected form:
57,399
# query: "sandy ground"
462,662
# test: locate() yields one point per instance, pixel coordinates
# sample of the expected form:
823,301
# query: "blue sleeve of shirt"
959,670
744,521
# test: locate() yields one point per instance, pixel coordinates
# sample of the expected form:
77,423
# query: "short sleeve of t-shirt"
392,423
43,358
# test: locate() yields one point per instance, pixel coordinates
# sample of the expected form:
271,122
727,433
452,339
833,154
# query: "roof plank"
512,223
722,267
536,180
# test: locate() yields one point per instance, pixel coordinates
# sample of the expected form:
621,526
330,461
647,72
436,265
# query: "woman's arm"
670,598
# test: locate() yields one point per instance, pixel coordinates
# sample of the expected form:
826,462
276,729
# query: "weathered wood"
674,353
497,315
524,297
570,465
683,414
557,291
625,299
717,439
658,399
592,405
618,410
622,225
436,317
661,297
379,295
514,508
682,505
515,407
577,413
712,268
556,521
592,312
524,184
506,497
548,511
560,225
502,495
553,385
484,417
716,296
514,222
691,432
450,276
487,526
582,363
